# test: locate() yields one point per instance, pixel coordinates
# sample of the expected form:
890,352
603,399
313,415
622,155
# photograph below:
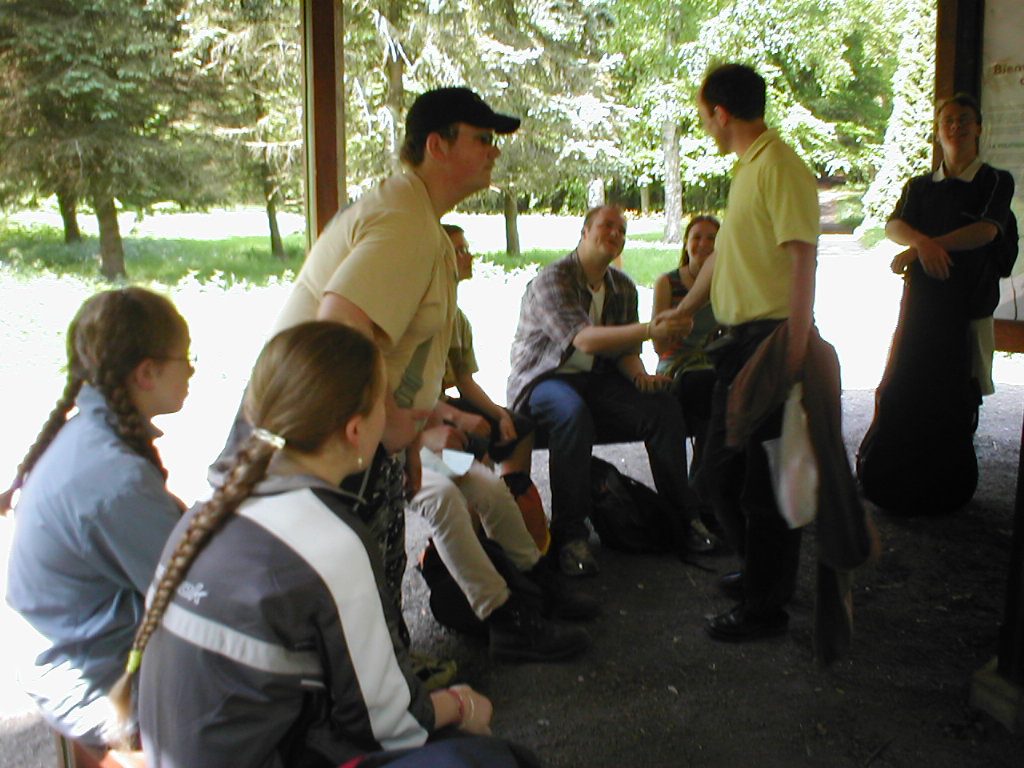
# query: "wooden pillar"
958,47
998,687
321,113
1011,633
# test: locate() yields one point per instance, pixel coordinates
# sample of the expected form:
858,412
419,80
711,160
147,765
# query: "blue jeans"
577,410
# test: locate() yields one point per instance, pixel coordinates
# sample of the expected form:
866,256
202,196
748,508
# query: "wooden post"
1011,634
997,688
321,114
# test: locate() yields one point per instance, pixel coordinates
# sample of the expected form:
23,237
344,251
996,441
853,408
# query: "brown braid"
128,423
249,468
128,326
308,382
58,417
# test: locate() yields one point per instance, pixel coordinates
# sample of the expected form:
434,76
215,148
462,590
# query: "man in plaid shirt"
576,370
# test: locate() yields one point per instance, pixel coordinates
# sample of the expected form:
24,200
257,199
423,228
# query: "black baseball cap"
441,107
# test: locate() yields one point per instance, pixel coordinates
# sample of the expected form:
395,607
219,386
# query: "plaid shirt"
556,307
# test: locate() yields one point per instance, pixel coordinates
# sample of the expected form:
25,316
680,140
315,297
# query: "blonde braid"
58,418
249,469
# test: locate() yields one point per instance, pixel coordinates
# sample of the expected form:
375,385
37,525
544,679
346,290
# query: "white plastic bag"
793,464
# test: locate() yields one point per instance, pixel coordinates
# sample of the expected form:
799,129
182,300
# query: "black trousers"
740,486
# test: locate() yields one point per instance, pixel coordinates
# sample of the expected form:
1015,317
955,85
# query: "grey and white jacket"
276,649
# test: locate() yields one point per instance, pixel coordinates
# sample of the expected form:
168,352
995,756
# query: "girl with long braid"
266,642
94,511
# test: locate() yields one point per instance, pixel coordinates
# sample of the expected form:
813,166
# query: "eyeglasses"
487,138
190,359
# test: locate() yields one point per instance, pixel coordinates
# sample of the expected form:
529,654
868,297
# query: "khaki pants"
451,507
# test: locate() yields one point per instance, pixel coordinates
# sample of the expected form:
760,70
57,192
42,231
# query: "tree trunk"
68,203
645,199
595,193
511,223
270,197
111,245
557,201
395,67
673,183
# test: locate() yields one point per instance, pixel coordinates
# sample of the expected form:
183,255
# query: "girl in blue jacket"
94,511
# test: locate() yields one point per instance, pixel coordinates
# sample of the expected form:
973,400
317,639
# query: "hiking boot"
560,601
576,559
518,633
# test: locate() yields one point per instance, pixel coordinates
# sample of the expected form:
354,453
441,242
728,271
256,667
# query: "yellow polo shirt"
773,199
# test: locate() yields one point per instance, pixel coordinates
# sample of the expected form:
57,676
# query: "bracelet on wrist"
461,709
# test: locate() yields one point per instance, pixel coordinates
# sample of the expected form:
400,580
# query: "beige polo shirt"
389,256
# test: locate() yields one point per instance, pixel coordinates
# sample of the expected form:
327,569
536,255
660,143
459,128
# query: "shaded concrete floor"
654,691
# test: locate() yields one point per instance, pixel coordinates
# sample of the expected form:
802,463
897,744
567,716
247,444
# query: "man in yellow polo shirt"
762,274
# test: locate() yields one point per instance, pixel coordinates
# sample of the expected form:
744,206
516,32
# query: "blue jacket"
90,525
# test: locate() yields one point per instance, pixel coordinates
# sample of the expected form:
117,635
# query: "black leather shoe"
737,625
731,585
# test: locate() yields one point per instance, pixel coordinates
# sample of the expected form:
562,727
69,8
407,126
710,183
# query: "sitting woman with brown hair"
266,641
693,378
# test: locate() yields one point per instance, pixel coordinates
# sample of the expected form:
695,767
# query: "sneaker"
576,559
560,601
432,671
518,633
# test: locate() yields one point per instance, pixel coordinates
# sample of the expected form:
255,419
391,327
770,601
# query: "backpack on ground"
627,515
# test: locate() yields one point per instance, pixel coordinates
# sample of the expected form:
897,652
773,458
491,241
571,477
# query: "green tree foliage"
654,79
908,136
91,92
541,61
827,63
141,100
248,62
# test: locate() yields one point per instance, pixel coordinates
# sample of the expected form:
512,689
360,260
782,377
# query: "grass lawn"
159,251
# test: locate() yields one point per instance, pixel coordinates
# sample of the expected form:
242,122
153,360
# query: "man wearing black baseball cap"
449,143
439,110
385,266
